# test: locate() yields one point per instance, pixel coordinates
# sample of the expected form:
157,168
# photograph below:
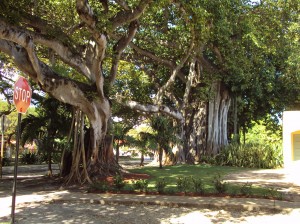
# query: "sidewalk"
78,207
249,204
235,204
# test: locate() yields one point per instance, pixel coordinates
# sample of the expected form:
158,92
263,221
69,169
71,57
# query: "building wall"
291,126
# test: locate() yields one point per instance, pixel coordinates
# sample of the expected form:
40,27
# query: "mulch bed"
126,177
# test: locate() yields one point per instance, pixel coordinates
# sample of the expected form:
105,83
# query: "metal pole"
2,144
13,204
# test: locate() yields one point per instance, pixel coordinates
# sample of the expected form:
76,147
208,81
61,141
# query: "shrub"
119,182
274,193
42,158
100,186
29,158
246,189
160,185
258,155
208,159
198,185
141,185
219,184
5,161
183,184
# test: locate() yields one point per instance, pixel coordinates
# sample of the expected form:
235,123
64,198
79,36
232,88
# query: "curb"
174,201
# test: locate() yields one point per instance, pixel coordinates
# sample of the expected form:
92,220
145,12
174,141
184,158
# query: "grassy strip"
172,173
208,175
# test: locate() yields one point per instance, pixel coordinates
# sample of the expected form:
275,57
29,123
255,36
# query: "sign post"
22,98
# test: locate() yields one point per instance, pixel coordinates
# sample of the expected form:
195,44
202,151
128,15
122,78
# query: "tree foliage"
183,59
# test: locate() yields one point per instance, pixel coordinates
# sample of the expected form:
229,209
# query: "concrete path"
285,180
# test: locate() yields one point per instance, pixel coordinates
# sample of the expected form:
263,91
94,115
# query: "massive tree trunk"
195,132
218,107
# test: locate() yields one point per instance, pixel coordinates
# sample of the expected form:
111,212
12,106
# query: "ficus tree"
164,135
75,33
264,84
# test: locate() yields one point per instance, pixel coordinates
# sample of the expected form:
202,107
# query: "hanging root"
84,169
78,173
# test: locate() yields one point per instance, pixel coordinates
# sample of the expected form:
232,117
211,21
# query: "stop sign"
22,95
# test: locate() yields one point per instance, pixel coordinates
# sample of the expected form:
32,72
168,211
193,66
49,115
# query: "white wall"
291,123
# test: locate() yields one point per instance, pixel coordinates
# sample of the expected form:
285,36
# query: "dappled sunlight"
71,212
291,218
21,200
284,180
234,216
192,217
25,176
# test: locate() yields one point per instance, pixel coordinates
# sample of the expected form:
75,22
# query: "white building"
291,137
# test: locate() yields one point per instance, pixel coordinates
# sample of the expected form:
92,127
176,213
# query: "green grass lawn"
207,173
172,173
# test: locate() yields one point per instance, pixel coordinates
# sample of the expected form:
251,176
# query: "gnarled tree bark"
217,119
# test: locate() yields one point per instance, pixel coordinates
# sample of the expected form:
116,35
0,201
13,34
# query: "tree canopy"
189,60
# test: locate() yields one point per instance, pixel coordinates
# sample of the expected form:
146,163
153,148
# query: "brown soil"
127,177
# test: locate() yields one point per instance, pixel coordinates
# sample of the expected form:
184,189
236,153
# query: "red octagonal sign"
22,95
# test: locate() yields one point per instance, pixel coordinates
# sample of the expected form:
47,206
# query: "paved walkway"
286,180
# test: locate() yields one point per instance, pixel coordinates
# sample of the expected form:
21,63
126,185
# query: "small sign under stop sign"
22,95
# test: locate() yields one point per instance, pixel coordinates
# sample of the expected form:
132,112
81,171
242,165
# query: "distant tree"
120,130
165,135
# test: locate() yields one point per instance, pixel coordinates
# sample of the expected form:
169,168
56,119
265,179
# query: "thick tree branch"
171,80
42,26
119,47
123,4
152,56
208,65
188,85
95,51
159,60
74,60
52,83
20,57
151,108
21,60
86,14
24,40
218,54
127,16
